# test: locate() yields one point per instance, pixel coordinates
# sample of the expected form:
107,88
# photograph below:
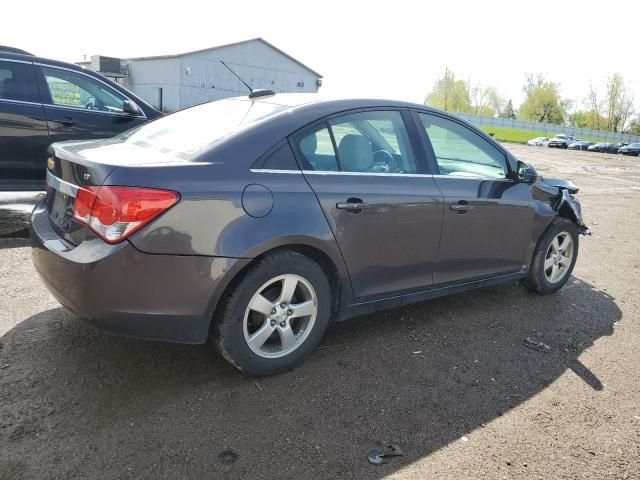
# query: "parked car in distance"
630,149
561,141
538,142
44,101
579,145
603,147
260,221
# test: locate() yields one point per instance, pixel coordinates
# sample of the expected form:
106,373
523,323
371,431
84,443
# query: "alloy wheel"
559,257
280,316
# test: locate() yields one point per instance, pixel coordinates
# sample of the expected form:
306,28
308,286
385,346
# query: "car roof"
294,100
33,58
8,49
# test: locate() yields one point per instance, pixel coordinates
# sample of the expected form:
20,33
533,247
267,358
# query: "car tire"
553,263
260,327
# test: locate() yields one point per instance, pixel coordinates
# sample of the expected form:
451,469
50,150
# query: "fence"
548,129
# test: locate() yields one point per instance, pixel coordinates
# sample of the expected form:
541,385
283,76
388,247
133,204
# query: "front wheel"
554,257
275,316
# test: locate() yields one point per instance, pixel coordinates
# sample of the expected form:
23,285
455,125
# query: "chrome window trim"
85,110
61,185
414,175
273,170
143,115
493,179
2,59
365,174
25,102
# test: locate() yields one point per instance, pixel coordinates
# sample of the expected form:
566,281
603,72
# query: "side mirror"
527,173
130,108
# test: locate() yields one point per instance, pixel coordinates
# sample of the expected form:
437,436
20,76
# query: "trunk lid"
72,165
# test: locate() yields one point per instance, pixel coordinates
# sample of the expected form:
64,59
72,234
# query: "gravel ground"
450,381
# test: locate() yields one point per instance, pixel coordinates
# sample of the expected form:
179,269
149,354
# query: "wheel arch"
333,267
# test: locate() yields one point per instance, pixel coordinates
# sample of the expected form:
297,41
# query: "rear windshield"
190,131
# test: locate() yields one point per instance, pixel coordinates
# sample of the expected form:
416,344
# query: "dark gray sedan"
257,222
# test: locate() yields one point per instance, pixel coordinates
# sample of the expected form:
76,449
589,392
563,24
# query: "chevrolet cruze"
258,221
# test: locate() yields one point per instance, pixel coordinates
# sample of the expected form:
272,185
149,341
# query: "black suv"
44,101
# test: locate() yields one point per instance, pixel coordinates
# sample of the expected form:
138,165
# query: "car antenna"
238,77
259,92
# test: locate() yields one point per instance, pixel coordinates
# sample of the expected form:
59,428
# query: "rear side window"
17,82
364,142
281,159
373,142
317,151
71,89
462,152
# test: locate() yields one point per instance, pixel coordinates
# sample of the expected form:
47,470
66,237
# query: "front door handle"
354,205
461,207
68,121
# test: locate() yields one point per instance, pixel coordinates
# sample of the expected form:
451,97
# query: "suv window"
73,89
367,142
17,82
462,152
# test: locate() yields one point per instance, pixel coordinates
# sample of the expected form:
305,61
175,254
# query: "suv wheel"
275,316
554,257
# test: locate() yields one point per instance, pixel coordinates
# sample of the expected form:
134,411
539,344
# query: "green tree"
618,102
588,119
543,102
485,101
508,111
634,126
449,94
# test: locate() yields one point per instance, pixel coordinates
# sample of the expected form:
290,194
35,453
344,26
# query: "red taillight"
114,213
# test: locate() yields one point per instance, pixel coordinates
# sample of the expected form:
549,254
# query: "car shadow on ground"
80,403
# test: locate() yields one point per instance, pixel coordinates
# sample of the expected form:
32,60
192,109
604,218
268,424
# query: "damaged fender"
560,194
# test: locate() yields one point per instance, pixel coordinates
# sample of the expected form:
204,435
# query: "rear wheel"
275,316
554,257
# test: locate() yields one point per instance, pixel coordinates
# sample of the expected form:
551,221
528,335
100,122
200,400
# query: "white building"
172,82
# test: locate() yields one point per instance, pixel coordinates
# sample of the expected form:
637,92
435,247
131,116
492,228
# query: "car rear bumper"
121,290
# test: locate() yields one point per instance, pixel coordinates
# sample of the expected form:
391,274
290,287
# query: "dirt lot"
449,381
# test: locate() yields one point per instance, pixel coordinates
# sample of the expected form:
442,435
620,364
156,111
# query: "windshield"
188,132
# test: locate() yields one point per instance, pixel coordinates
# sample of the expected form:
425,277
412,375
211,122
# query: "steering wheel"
384,162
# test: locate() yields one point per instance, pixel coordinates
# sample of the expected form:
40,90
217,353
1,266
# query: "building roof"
258,39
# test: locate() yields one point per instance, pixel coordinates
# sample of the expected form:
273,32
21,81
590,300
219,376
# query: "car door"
488,216
79,106
23,127
385,214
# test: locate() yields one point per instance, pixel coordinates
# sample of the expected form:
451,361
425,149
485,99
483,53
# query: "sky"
392,49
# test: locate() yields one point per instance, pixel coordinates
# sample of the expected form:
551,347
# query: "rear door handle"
354,205
461,207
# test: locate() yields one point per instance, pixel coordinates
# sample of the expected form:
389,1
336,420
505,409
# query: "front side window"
71,89
461,152
364,142
17,82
